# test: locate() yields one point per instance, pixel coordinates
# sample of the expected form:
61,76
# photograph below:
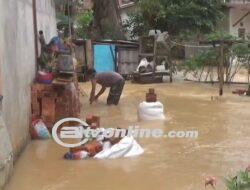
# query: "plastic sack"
151,111
143,63
41,130
127,147
160,67
135,150
81,155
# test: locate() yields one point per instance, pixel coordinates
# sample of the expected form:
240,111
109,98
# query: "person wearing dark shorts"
111,80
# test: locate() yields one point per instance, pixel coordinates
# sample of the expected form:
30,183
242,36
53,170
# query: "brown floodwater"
222,148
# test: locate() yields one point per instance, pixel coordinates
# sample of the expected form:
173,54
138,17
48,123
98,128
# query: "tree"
176,16
83,22
243,55
102,22
106,20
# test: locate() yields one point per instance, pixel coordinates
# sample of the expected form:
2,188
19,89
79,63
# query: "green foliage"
209,57
236,56
63,21
241,50
136,24
239,182
176,16
216,36
83,22
47,61
205,58
67,10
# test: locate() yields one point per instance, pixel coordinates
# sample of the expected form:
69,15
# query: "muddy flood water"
222,148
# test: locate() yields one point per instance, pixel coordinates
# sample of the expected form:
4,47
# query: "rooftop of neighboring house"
125,3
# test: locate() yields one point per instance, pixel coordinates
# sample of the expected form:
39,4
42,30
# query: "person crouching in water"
111,80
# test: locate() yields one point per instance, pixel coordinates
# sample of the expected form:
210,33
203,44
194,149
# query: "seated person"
146,65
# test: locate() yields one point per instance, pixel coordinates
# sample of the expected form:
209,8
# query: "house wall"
17,62
224,24
127,60
46,19
235,15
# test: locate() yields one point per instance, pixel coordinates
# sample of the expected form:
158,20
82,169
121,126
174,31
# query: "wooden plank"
89,54
146,54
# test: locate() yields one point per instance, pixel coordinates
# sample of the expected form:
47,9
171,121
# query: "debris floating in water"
211,180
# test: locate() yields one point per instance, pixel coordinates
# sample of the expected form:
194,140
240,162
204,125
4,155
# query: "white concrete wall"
46,19
17,61
235,15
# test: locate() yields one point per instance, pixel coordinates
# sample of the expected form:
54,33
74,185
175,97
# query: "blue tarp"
104,58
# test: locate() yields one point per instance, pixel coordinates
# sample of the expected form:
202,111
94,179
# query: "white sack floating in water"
127,147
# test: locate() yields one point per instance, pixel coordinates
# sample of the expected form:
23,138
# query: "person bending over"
111,80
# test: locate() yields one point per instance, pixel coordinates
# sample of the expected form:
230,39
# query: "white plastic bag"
127,147
143,63
41,130
136,150
151,111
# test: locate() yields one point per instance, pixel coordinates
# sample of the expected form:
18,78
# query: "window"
242,33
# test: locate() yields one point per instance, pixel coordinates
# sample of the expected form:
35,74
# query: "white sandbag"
143,63
151,108
127,147
136,150
151,111
162,37
154,32
144,117
160,67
